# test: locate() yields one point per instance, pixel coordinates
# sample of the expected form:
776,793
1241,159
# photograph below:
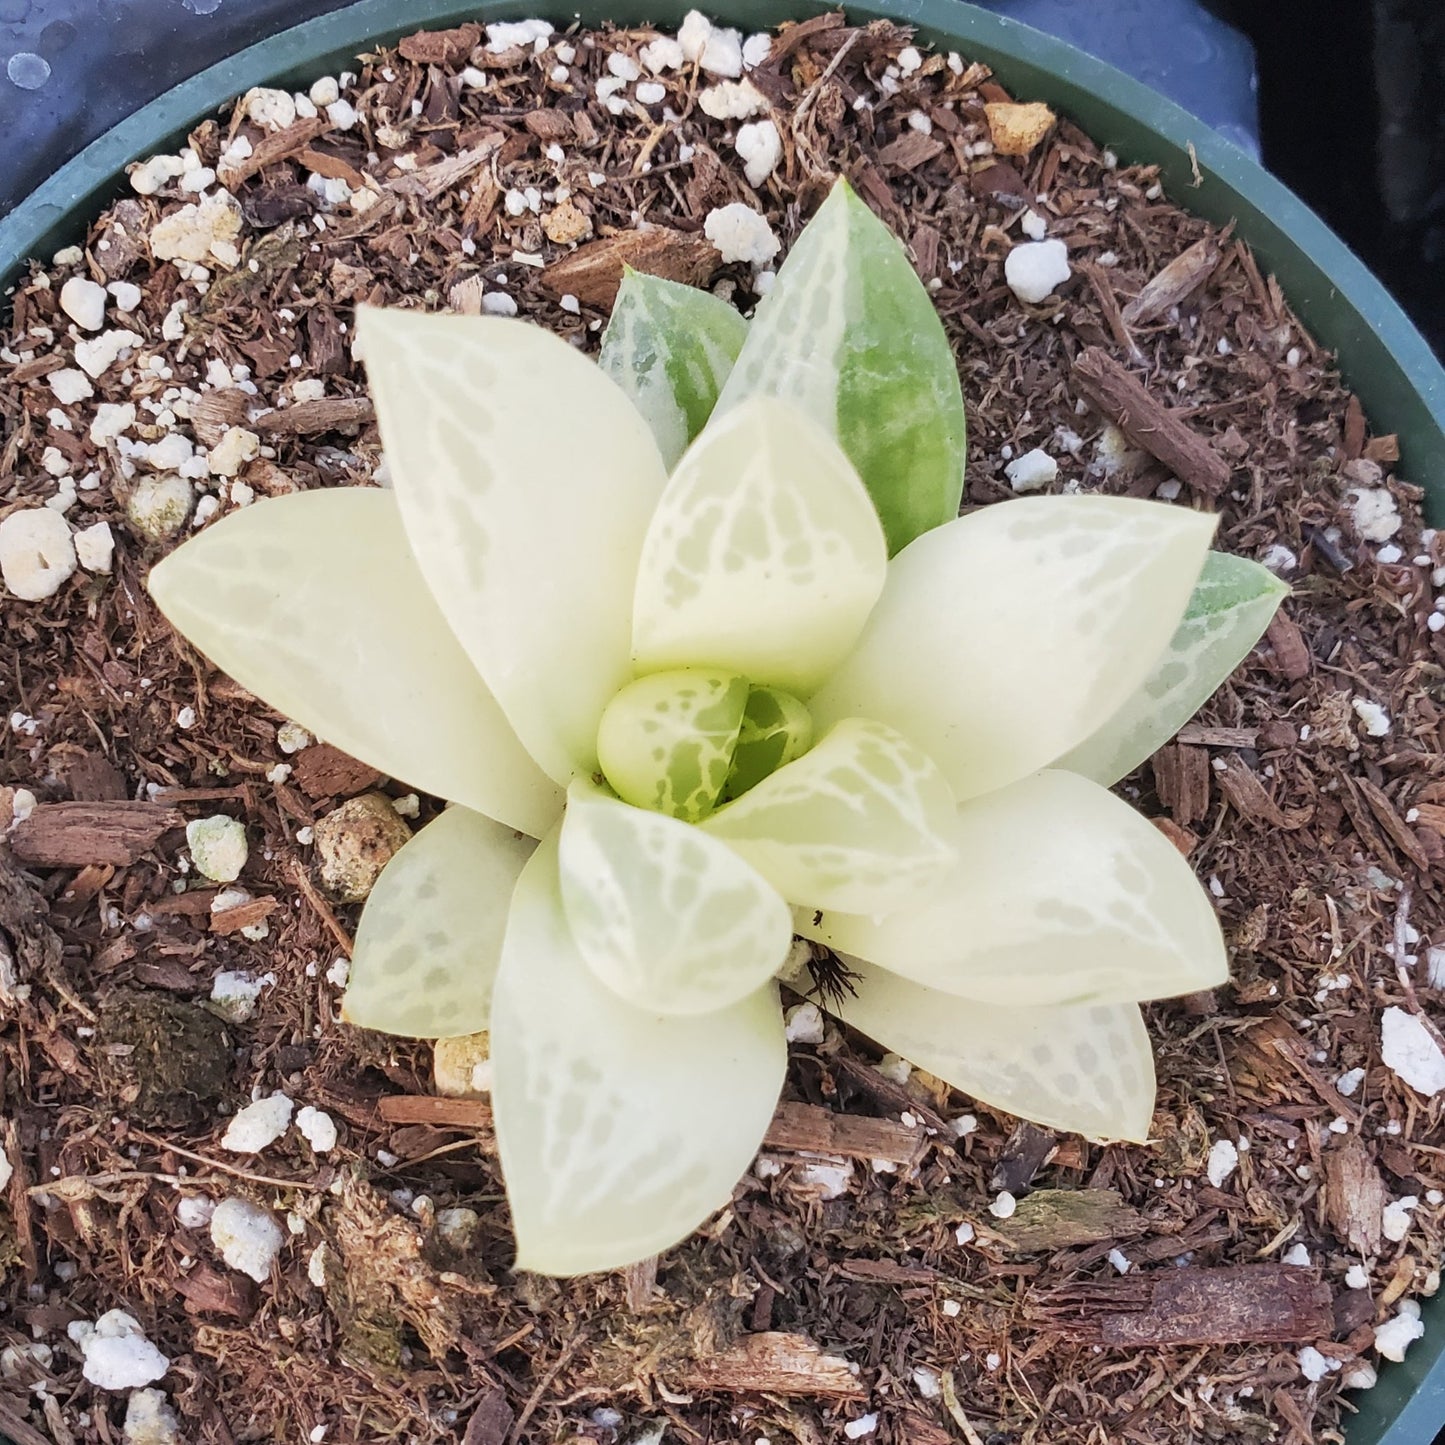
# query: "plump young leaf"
671,920
849,335
860,822
1232,604
1061,893
1087,1068
526,481
430,936
1004,638
764,557
313,602
666,741
776,728
620,1129
670,348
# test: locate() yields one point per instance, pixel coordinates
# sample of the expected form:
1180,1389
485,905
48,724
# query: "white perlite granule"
1034,268
1410,1053
318,1128
37,553
116,1353
1031,471
258,1125
246,1237
741,234
1222,1162
218,847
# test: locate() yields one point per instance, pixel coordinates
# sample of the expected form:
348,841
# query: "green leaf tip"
850,335
670,347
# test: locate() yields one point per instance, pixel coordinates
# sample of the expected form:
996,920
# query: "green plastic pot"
1383,358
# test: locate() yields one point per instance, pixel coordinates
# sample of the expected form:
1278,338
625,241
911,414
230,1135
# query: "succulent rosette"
698,649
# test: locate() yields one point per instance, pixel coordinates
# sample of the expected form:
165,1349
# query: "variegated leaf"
620,1130
430,936
527,535
860,822
849,335
666,741
1060,893
1231,606
1087,1068
671,920
313,602
764,557
670,348
1004,638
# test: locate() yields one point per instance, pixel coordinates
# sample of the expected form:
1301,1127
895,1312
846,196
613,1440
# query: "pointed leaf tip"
849,334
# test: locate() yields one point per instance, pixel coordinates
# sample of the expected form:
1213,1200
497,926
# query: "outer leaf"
849,335
861,822
764,557
620,1131
1232,604
670,348
528,539
1061,894
1005,637
1086,1068
313,602
671,920
430,936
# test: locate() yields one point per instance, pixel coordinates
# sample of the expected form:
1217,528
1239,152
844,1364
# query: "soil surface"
900,1309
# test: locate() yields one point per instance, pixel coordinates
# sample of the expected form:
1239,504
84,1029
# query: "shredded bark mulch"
1316,825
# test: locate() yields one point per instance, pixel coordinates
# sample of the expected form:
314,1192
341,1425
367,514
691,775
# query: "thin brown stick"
321,908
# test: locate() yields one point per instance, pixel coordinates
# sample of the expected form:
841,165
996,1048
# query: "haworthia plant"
1229,609
850,336
685,662
670,348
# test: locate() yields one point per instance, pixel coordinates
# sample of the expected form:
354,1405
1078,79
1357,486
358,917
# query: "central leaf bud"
681,742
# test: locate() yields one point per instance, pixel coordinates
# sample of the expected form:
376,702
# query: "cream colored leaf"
1061,894
1087,1068
620,1130
430,936
313,602
669,919
765,555
1230,608
860,822
1008,636
526,480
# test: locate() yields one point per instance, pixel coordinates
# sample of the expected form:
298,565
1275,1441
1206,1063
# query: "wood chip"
1181,778
277,146
1199,735
306,418
72,835
244,915
774,1364
1148,423
1354,1194
795,1127
592,273
491,1421
1024,1153
808,1129
1292,657
322,771
1169,286
208,1292
1392,823
1233,1305
886,1271
440,47
1050,1219
911,150
1246,794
